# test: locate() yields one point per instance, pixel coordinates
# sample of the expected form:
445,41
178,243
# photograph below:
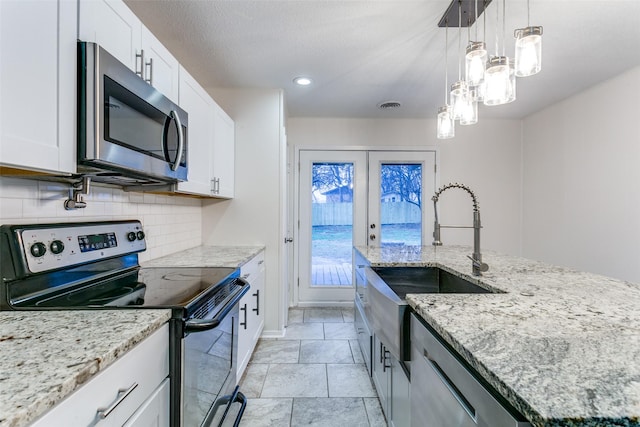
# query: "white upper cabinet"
161,68
113,26
38,85
223,154
211,139
199,105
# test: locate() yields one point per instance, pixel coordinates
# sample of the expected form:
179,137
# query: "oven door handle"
199,325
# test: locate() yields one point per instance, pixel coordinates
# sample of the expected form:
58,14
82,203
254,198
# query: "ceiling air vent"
389,105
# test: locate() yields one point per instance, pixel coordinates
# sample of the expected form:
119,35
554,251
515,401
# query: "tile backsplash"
171,223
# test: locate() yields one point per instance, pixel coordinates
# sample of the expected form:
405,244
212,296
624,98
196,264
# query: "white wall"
581,180
253,217
170,223
486,156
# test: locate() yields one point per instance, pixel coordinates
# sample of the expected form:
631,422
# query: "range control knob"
56,247
131,236
38,249
140,235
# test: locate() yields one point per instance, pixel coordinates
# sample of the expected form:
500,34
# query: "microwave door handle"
176,163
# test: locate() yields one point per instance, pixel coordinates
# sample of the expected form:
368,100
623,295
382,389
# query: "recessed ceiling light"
302,81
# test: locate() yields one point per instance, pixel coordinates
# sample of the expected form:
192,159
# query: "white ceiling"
363,52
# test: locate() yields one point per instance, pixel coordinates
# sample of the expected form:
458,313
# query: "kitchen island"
561,346
46,355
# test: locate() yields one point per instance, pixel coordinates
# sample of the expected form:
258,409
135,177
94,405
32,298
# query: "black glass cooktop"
145,287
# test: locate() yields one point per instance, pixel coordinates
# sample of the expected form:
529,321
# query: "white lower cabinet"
133,391
155,411
392,385
251,311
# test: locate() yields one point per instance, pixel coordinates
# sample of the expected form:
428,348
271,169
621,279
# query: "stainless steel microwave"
129,133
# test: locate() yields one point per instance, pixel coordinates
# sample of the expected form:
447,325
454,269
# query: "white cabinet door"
37,85
161,68
251,311
199,105
155,411
223,154
124,386
112,25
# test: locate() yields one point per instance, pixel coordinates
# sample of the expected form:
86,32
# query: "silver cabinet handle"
246,276
149,76
262,261
140,56
122,395
457,394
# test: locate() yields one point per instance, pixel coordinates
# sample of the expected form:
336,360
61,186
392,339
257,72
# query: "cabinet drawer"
137,374
444,392
252,268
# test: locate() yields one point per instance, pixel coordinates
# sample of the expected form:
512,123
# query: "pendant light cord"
497,25
446,62
528,15
504,27
459,37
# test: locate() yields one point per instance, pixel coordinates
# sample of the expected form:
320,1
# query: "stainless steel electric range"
95,266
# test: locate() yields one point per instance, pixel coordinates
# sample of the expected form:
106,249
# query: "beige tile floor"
314,376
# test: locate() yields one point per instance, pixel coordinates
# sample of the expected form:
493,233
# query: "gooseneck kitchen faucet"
476,259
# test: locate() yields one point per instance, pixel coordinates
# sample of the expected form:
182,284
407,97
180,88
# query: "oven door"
124,123
209,393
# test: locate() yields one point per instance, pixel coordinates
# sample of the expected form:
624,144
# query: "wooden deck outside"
331,275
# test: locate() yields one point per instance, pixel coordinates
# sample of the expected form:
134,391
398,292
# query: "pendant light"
470,112
459,96
500,81
528,49
475,58
446,124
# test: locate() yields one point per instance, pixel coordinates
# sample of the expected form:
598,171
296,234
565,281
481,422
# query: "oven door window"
131,122
207,365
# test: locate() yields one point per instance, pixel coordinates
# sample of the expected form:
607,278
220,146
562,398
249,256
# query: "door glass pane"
332,224
401,204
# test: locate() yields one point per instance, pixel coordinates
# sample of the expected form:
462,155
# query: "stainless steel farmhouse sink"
421,280
387,288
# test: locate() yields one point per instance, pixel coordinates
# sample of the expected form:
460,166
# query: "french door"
401,184
332,217
357,198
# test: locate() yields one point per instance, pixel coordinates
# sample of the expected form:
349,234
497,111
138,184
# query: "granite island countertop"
208,256
562,346
47,355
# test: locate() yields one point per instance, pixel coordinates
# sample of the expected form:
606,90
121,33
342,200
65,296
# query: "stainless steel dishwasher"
444,393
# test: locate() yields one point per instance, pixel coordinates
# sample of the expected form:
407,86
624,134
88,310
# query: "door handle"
372,236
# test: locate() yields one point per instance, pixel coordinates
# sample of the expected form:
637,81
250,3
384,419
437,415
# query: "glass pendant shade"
470,112
528,51
446,125
458,98
500,81
475,63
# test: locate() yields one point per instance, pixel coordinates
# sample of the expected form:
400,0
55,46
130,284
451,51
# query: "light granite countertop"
46,355
208,256
562,346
